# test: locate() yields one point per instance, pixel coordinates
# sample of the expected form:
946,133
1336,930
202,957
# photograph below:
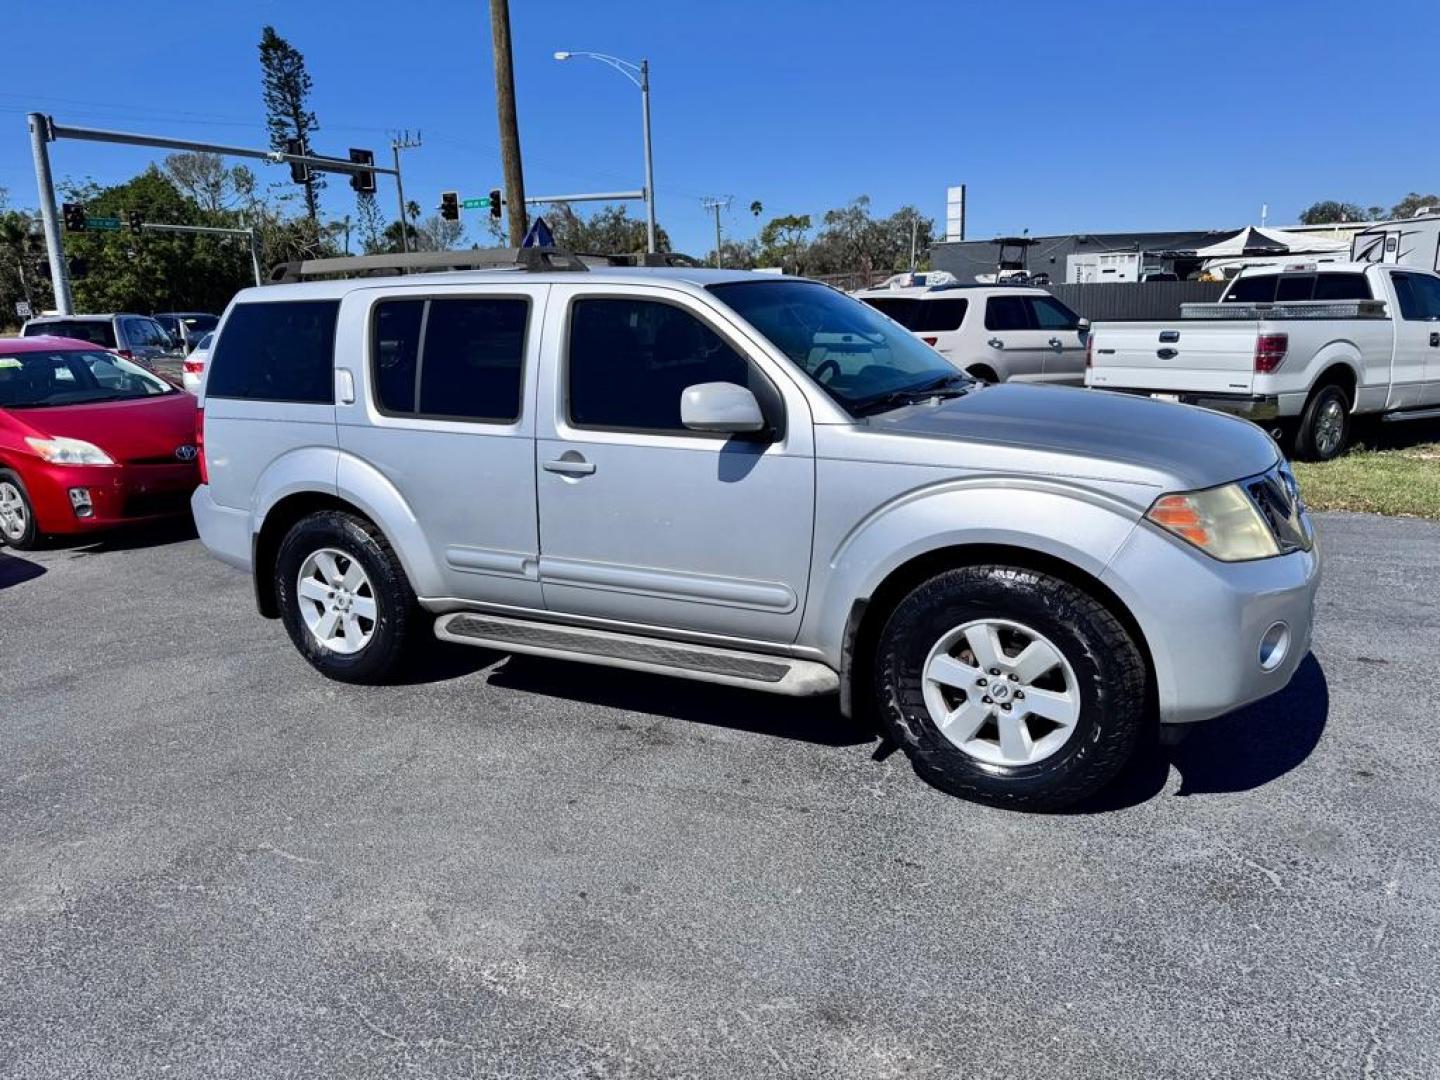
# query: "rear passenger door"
1012,347
447,417
1065,351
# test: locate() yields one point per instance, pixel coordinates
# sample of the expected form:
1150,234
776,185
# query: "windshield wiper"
954,384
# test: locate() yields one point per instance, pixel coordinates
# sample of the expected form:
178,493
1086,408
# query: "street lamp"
639,74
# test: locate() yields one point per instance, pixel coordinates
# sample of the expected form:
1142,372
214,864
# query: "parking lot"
215,863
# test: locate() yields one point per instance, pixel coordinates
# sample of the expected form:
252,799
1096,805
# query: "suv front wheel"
1011,687
344,597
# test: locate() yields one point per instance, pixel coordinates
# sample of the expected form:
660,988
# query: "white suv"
995,332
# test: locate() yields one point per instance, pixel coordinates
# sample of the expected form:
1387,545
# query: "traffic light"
450,205
136,220
363,182
74,215
299,171
495,203
77,267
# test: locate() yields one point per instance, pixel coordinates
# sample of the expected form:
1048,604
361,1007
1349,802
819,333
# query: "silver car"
754,481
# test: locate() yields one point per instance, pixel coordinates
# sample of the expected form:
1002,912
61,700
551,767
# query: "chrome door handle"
995,343
1056,343
1435,341
569,466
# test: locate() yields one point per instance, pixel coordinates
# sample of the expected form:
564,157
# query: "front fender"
1077,526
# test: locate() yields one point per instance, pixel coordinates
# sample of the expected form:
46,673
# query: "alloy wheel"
13,516
337,601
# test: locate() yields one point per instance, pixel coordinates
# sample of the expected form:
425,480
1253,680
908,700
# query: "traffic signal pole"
59,274
509,125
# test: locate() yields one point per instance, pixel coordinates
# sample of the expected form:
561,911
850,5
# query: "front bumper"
1205,620
124,494
1256,407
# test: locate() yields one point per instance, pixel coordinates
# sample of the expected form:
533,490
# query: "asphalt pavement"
214,863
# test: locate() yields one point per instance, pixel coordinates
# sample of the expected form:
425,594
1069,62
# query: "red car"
88,440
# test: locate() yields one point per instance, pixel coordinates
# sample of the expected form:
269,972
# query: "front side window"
276,351
1419,296
450,359
630,360
33,380
1007,313
858,357
1050,314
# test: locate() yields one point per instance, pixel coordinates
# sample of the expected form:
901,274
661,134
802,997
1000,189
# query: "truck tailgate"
1181,357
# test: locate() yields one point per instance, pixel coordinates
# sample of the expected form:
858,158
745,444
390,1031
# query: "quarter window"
630,360
454,359
278,351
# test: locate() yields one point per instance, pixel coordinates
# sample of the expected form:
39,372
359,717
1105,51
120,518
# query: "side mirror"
722,407
1083,325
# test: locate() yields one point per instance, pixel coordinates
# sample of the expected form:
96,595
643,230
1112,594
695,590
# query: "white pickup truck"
1300,349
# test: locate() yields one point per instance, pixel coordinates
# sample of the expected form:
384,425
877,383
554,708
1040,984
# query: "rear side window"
903,309
1342,287
1007,313
1259,289
938,316
453,359
95,331
283,351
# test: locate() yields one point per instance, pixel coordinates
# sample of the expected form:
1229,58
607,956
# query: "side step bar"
730,667
1412,414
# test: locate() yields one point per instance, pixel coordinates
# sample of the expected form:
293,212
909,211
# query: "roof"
43,342
694,277
935,292
82,318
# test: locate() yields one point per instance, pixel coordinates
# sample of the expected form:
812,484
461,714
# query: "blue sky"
1080,116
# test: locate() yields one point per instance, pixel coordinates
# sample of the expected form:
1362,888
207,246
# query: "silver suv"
753,481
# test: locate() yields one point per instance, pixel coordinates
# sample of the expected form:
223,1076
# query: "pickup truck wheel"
1324,430
344,597
17,516
1010,687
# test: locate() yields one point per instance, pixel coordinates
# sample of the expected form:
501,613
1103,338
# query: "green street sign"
103,224
475,204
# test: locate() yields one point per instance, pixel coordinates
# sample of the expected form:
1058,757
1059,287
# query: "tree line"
1335,211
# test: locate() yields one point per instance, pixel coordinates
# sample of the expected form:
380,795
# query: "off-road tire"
1107,663
399,617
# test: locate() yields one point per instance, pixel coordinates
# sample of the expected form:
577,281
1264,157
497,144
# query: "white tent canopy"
1253,240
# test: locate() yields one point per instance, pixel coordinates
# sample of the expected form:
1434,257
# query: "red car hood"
140,429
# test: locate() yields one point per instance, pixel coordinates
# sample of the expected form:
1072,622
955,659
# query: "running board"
1412,414
730,667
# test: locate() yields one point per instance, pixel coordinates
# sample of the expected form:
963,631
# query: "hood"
144,429
1175,446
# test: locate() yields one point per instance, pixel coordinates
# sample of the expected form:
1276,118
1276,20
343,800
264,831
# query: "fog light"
1273,646
80,502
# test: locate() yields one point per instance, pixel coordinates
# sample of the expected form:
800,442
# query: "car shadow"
1372,433
128,538
804,719
1239,751
16,571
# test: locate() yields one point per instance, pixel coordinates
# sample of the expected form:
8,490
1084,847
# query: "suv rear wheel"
1011,687
344,597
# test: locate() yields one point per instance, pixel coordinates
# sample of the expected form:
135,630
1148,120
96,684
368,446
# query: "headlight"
1221,521
63,451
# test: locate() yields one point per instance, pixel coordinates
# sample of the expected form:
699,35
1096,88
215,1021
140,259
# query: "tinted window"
281,351
1256,289
1419,296
1342,287
395,353
95,331
1050,314
472,359
903,309
630,360
1007,313
940,315
1293,287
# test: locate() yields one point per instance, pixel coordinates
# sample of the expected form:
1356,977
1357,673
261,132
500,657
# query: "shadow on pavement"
15,570
1236,752
814,720
129,538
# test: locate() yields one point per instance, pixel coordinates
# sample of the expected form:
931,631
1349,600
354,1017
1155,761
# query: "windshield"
37,379
856,355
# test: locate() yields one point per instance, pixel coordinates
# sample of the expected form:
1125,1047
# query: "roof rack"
531,259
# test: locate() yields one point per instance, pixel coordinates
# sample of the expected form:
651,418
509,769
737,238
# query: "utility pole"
914,229
40,135
649,158
402,141
717,203
509,126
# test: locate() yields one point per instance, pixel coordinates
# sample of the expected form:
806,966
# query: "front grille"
1278,500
